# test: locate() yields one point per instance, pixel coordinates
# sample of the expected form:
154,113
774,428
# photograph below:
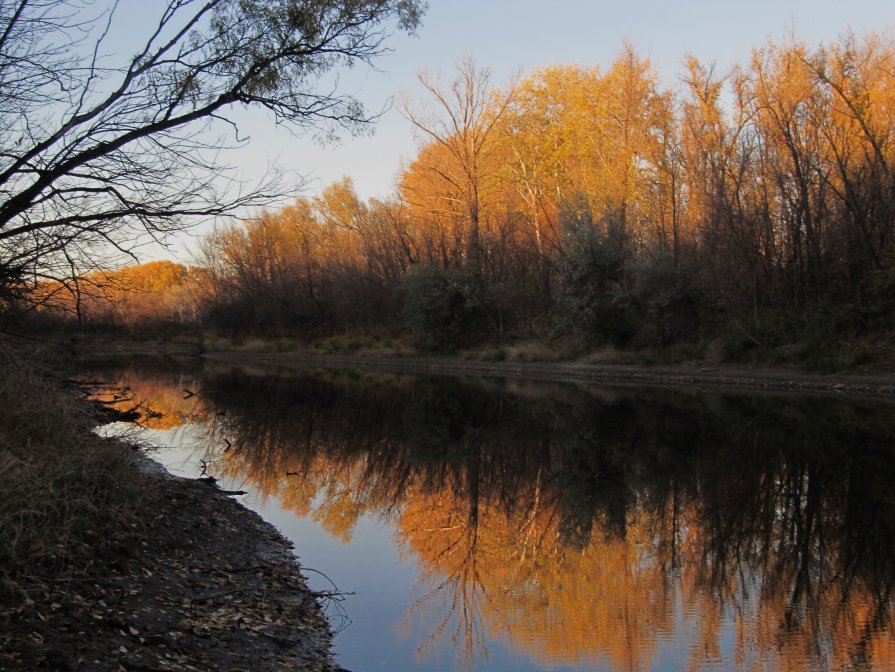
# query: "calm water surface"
492,525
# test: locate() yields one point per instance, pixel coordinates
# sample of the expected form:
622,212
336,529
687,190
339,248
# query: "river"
482,524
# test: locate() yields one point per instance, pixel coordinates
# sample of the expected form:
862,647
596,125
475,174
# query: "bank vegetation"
749,213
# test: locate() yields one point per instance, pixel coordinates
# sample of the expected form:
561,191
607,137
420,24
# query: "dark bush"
440,307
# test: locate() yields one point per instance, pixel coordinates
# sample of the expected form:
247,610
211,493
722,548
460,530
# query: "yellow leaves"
575,132
780,141
158,292
338,515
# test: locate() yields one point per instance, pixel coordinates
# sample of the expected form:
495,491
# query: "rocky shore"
198,583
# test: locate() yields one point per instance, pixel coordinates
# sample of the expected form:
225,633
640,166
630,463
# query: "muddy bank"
199,583
691,376
879,381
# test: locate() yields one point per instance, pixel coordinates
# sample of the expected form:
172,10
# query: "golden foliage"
158,293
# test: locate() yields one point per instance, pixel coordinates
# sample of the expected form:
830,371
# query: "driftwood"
212,482
108,413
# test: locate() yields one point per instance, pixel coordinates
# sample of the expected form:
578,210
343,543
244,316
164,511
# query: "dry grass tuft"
65,491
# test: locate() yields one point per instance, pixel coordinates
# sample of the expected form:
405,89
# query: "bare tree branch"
97,150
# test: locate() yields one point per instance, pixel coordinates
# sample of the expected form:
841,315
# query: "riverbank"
695,376
109,563
877,379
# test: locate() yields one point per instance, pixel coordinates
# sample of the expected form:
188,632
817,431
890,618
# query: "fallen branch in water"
213,482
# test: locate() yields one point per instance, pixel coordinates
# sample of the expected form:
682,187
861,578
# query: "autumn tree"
545,144
159,296
625,143
265,274
859,129
712,157
461,128
320,265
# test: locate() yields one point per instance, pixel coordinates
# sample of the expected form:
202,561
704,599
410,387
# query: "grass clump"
67,493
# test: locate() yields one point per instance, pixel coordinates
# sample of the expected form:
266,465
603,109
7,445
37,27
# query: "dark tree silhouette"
97,152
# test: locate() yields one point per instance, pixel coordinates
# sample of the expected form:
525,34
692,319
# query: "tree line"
596,207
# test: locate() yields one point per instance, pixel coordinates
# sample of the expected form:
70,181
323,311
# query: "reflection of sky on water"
388,566
369,566
178,449
382,583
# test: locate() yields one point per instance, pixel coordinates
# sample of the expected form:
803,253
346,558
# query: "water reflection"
587,527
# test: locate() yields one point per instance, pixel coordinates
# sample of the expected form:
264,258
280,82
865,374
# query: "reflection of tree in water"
589,528
158,392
